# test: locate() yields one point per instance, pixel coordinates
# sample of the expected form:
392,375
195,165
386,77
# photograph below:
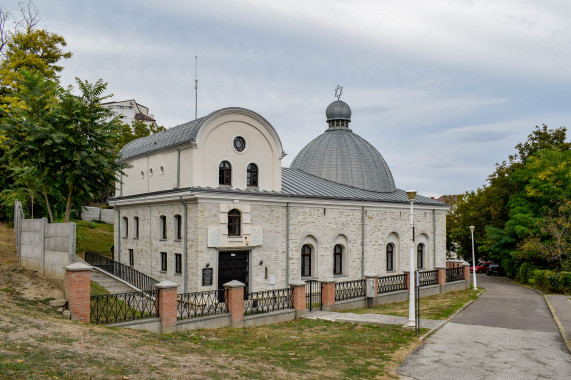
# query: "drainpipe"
178,171
287,246
363,242
185,261
118,258
434,238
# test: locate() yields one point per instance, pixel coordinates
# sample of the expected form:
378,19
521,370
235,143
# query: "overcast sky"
443,89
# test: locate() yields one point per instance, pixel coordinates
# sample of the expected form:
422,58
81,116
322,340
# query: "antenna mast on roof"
195,88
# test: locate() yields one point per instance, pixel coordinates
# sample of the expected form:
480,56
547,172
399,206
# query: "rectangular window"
337,269
163,227
177,263
131,257
125,227
164,261
178,227
136,222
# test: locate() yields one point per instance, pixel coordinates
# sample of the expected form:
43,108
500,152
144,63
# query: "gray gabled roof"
187,133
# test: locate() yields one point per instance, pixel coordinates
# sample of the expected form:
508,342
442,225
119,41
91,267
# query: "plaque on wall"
207,274
214,237
256,236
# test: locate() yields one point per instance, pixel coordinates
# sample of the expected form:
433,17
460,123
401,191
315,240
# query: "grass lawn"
440,306
93,236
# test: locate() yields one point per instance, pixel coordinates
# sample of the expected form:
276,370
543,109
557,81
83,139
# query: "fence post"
442,279
328,294
298,297
372,292
467,274
235,301
407,280
167,305
77,290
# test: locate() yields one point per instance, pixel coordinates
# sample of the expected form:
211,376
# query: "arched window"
125,227
306,260
252,175
338,259
177,227
420,256
234,223
136,222
225,174
390,257
163,226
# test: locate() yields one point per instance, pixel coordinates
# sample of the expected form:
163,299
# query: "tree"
136,130
520,193
89,160
65,139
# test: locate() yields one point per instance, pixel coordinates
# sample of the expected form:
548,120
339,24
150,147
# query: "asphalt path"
507,333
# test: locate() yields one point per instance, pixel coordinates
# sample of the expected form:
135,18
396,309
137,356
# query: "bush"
525,273
552,282
91,225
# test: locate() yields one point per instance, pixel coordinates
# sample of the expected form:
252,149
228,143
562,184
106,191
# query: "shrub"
552,282
91,225
525,272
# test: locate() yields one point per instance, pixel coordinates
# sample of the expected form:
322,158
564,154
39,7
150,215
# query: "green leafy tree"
136,130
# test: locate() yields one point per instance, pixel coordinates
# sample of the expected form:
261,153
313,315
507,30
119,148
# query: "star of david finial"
338,92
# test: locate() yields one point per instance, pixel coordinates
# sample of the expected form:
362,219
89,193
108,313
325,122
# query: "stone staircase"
111,283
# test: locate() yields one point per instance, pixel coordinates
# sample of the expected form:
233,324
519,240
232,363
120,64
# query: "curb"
559,325
422,338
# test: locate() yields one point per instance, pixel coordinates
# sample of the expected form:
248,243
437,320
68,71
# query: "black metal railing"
391,283
312,295
347,290
454,274
267,301
124,272
121,307
428,277
201,304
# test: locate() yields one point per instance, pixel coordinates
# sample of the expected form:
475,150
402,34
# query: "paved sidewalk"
561,308
373,319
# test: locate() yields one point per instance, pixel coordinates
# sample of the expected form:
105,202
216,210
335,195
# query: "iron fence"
428,277
454,274
391,283
124,272
312,295
267,301
121,307
347,290
201,304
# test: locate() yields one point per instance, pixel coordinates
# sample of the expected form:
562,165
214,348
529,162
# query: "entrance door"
233,266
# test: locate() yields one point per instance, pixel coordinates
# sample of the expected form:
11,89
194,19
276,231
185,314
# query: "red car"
481,267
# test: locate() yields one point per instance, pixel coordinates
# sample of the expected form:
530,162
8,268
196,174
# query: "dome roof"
338,110
341,156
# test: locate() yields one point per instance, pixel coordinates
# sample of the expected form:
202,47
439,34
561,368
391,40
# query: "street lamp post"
473,260
411,320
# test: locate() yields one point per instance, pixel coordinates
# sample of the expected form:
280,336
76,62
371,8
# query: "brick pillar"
442,279
467,274
167,305
375,278
77,290
327,294
407,274
298,296
235,302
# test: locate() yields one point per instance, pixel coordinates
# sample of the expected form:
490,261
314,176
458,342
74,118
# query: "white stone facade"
184,181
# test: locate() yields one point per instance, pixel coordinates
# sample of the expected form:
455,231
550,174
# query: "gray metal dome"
338,110
341,156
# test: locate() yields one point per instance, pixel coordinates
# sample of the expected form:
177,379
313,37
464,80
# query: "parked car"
494,268
481,267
